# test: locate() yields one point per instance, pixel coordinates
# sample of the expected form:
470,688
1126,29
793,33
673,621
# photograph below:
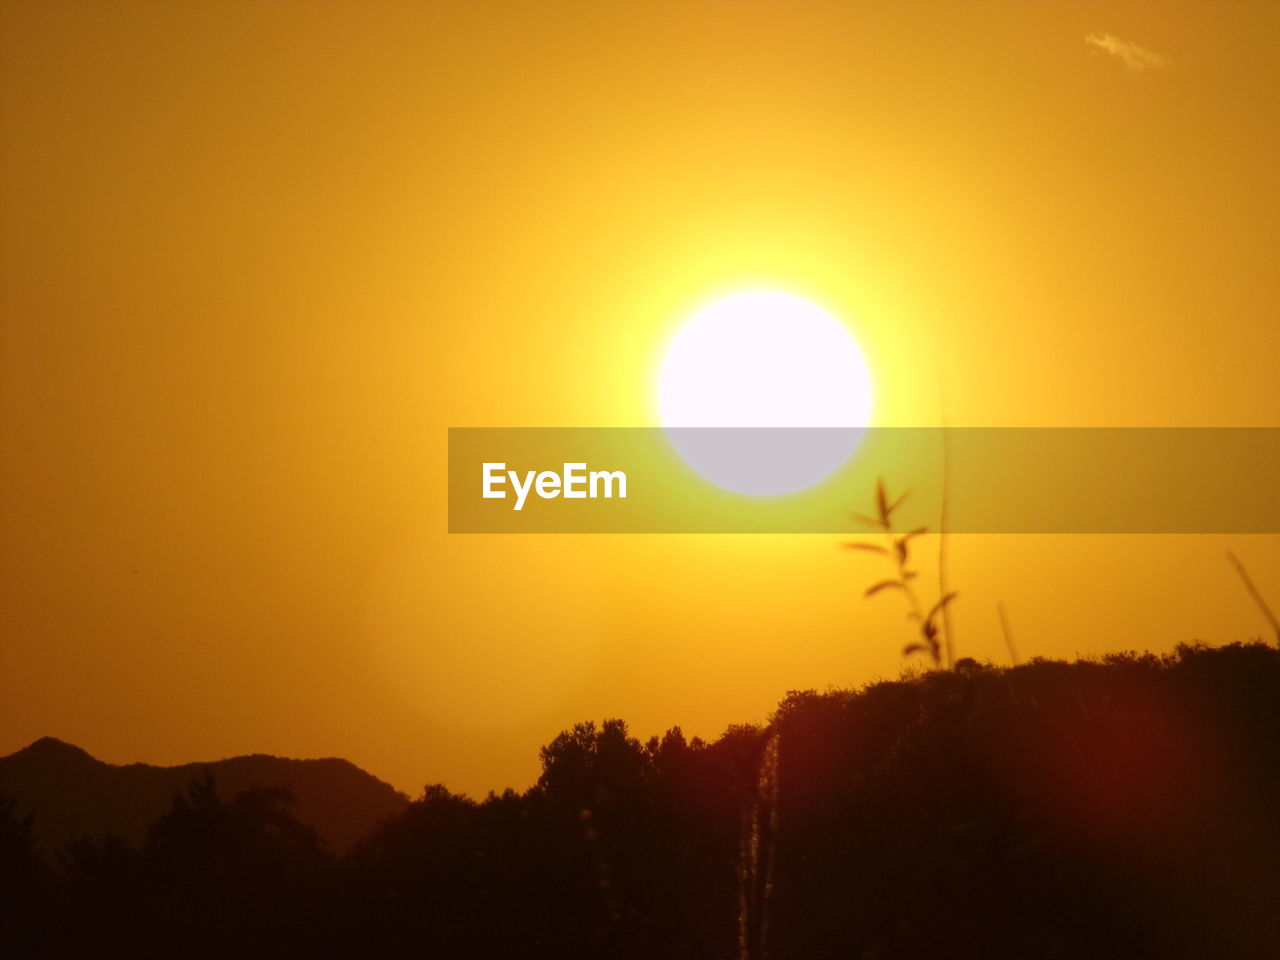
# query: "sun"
764,359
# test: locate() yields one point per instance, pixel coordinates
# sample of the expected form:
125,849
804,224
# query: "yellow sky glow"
255,259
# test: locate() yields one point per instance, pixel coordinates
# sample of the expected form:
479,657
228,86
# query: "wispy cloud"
1134,57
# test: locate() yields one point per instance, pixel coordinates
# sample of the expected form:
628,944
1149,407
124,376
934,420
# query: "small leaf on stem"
897,503
937,607
869,547
882,585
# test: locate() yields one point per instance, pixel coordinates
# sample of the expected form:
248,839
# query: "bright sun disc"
764,360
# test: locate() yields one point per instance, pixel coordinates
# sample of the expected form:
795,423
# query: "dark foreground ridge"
72,794
1125,808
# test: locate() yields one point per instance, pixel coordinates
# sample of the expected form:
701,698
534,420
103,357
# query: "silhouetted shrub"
1125,807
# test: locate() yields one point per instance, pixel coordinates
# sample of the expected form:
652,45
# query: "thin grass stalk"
1256,594
944,527
1008,633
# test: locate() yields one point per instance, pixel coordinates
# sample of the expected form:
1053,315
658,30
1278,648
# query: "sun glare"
764,359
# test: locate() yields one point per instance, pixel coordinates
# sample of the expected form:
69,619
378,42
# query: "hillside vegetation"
1126,807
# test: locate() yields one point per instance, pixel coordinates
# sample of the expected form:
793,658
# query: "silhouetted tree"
1122,808
23,878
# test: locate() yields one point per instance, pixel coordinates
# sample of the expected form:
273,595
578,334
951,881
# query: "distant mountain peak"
51,747
73,793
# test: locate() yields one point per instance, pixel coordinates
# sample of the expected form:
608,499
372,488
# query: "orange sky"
255,258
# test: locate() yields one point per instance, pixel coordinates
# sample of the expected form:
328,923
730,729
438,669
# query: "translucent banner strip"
802,480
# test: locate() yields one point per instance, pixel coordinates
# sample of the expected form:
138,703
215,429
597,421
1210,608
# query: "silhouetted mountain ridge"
1126,808
72,793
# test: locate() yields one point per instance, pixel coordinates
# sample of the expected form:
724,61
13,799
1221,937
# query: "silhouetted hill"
1121,809
1128,807
72,793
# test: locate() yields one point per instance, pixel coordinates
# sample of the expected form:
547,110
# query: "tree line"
1123,807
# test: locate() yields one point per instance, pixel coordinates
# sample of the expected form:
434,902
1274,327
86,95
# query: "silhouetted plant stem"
944,527
898,550
1256,594
1008,633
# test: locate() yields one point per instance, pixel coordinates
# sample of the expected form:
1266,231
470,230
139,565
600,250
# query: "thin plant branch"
1256,594
897,547
1008,632
944,526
